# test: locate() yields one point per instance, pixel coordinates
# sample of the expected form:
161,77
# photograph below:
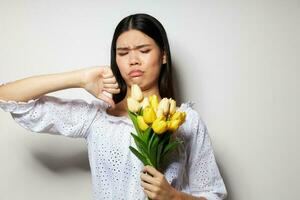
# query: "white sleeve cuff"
14,106
17,107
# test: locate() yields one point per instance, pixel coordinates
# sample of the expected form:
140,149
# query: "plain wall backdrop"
237,60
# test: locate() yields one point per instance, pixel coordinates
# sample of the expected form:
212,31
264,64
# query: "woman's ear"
164,58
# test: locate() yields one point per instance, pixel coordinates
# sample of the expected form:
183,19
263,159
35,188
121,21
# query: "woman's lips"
135,73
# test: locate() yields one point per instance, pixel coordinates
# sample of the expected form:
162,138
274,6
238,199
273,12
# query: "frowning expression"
139,59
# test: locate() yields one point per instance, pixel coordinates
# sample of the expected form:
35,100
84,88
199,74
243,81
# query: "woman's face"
139,59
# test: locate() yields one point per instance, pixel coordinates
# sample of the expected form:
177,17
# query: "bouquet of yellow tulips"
154,123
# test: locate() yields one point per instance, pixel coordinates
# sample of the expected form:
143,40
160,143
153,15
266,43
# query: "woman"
139,55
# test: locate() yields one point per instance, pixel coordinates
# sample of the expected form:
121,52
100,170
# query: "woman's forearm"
36,86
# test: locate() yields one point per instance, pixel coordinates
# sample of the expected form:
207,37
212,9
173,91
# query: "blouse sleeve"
48,114
203,173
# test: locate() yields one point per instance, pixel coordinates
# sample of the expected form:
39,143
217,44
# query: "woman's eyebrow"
136,47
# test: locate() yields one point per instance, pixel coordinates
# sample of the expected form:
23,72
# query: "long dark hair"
154,29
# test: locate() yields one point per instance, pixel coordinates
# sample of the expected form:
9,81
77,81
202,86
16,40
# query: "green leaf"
138,155
140,144
159,150
153,149
164,140
170,147
146,134
140,112
133,118
152,136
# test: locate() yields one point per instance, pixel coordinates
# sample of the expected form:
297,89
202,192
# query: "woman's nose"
133,58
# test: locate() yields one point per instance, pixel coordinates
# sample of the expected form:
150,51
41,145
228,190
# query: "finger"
107,99
149,179
110,80
111,85
150,194
148,186
151,170
107,73
112,90
107,69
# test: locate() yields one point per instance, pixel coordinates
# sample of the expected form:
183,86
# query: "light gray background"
237,60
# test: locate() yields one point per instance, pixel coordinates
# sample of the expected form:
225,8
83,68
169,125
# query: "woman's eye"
145,51
122,54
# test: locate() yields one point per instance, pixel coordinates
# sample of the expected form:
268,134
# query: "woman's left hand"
155,185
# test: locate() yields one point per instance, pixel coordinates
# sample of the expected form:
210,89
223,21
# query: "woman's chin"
139,81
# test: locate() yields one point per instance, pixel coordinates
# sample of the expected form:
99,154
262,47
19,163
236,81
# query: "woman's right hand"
97,80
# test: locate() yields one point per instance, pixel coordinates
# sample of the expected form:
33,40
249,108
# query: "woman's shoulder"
193,119
188,108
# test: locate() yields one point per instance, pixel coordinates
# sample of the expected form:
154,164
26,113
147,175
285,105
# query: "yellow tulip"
149,115
183,116
154,101
173,125
179,116
159,126
145,102
141,123
176,115
136,93
133,105
172,106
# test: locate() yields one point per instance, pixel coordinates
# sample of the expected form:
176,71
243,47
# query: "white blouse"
115,169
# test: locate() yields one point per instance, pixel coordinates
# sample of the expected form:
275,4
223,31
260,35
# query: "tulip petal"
136,92
141,123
